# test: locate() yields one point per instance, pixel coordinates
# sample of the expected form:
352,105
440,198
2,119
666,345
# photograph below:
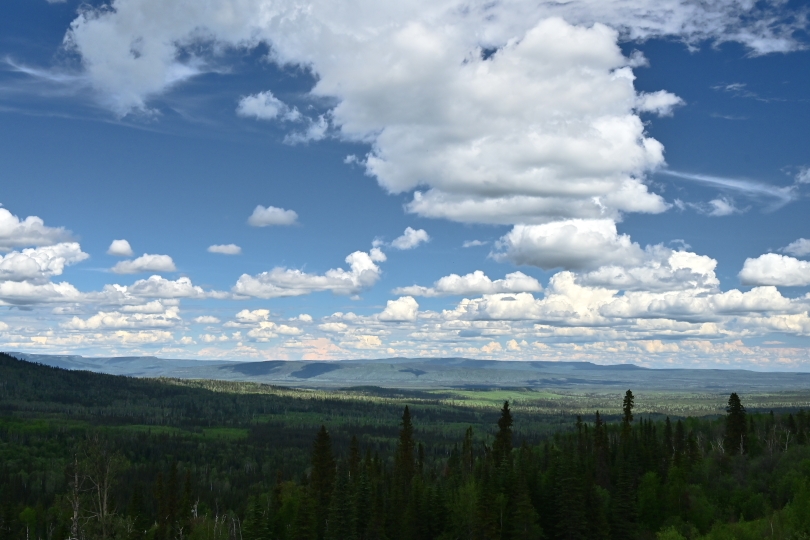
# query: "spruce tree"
627,412
735,438
502,447
322,477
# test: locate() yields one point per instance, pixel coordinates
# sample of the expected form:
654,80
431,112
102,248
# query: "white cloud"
39,264
316,131
400,310
410,239
803,176
573,244
120,248
206,319
774,269
152,287
264,217
118,320
337,327
27,293
661,103
798,248
280,282
544,129
722,207
473,243
662,269
153,307
377,255
145,263
31,231
475,283
266,106
225,249
247,316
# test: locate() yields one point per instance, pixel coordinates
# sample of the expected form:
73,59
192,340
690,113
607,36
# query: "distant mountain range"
428,373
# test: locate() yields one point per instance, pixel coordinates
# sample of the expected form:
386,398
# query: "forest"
91,456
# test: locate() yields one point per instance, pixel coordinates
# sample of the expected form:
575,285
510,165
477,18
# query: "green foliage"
119,458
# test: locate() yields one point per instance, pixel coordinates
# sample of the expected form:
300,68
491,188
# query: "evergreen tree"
354,458
467,455
502,447
627,412
340,524
669,444
322,477
600,450
525,521
735,437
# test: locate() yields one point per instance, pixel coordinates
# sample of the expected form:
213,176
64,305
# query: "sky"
614,181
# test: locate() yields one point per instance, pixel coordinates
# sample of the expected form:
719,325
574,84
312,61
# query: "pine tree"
340,524
525,520
354,458
467,455
735,438
322,477
600,450
679,444
627,412
502,447
669,444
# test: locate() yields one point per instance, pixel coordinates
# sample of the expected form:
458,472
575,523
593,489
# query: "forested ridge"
86,455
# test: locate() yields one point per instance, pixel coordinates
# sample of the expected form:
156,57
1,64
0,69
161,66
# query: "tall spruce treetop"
502,447
627,407
406,446
735,439
322,478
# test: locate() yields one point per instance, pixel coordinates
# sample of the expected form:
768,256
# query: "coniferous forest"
91,456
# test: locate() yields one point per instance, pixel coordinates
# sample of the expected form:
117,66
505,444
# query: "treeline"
740,476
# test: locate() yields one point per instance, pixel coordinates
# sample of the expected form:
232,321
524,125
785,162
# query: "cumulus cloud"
261,328
225,249
266,106
31,231
661,103
280,282
565,143
145,263
264,217
661,269
798,248
720,207
475,283
120,248
573,244
473,243
22,293
152,287
410,239
118,320
39,264
774,269
400,310
206,319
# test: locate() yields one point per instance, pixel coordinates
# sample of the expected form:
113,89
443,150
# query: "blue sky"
633,176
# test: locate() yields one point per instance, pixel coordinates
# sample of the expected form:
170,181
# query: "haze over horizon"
606,181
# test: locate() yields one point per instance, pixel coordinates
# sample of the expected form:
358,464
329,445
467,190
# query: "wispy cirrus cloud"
778,195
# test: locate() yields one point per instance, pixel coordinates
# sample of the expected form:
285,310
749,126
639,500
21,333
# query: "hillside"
436,373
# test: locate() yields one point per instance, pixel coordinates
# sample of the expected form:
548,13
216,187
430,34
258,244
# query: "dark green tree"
502,447
322,477
627,411
735,440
